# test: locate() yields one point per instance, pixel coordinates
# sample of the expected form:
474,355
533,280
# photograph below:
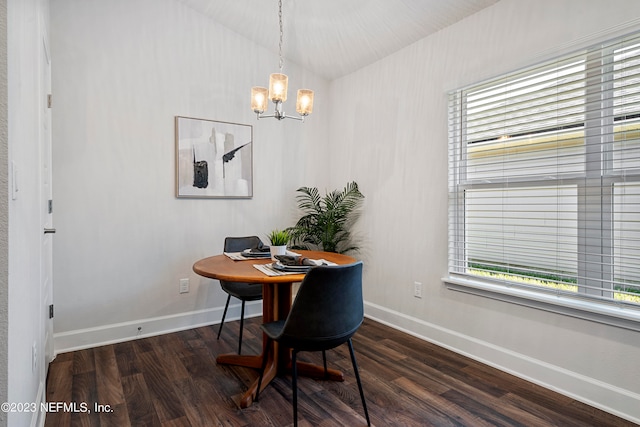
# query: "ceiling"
336,37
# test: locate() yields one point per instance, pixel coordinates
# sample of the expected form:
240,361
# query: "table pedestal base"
276,295
304,369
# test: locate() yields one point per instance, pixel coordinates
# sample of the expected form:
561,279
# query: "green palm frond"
327,220
309,199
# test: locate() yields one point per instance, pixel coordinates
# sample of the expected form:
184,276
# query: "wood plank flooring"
173,380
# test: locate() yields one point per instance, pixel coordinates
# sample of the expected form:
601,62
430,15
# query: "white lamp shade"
278,87
304,103
259,99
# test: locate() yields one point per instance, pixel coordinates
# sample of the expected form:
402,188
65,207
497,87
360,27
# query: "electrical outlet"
417,289
184,286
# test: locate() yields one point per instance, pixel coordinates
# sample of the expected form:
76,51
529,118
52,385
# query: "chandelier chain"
281,33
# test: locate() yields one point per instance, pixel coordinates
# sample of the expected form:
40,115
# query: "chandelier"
277,91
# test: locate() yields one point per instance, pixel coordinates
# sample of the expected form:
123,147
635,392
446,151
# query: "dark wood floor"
173,380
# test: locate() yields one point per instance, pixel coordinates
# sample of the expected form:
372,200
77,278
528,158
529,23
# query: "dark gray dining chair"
243,291
327,312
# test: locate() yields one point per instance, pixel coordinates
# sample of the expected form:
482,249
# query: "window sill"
615,315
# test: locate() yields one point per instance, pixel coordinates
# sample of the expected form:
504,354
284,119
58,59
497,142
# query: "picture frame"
214,159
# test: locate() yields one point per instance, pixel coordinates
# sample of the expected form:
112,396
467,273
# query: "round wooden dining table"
276,303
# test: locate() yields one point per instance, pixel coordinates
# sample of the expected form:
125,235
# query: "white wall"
4,213
392,128
122,69
26,21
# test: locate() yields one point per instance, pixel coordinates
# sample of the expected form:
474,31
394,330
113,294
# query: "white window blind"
544,177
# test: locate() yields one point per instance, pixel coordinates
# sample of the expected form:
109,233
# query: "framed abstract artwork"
213,159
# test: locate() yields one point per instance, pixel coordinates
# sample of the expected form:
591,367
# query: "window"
544,181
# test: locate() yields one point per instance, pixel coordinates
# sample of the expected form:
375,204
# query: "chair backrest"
242,290
328,308
239,244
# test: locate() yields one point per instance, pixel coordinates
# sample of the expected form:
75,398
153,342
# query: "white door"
46,195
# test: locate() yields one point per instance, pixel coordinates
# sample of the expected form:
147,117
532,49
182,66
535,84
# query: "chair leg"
324,362
355,370
241,328
264,366
294,386
224,314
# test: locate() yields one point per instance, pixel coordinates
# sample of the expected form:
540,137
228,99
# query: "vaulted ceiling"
337,37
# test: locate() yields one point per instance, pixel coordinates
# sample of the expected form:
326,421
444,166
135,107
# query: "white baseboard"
615,400
119,332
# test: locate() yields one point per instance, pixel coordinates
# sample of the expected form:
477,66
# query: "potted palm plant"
327,221
279,240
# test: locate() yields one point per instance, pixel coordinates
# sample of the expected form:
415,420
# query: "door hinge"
50,206
49,100
51,311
